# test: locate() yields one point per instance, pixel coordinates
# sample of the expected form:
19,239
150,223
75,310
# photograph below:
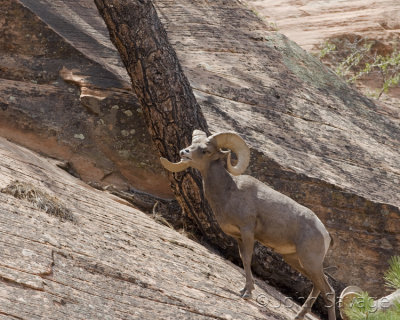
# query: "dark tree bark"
170,108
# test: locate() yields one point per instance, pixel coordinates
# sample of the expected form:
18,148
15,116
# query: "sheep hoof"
244,294
247,296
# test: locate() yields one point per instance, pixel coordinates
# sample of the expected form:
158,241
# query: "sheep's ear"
220,154
224,154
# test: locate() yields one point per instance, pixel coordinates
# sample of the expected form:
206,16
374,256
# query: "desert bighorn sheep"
249,210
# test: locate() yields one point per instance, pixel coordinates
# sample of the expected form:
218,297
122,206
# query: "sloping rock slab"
112,262
310,22
312,136
59,99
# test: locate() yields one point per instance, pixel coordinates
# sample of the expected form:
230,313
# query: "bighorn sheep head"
203,150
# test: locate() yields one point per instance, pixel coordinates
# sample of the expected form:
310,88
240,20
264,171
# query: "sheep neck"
217,182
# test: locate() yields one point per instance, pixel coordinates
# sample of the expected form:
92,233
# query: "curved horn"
174,167
347,297
232,141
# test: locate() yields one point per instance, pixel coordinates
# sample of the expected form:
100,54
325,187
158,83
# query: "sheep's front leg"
246,245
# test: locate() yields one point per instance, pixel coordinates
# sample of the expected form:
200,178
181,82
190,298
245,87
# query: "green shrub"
353,58
364,308
392,275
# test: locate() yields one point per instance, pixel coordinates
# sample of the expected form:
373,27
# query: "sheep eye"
204,151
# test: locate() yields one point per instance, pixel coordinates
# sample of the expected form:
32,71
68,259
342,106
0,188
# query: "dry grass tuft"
40,199
159,218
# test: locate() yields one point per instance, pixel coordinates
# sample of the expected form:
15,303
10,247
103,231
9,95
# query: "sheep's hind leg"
313,264
306,307
246,245
319,280
294,262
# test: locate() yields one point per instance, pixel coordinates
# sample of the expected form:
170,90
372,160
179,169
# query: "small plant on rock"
392,276
365,308
355,58
39,199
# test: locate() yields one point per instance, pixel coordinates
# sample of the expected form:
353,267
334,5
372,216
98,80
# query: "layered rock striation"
108,260
69,97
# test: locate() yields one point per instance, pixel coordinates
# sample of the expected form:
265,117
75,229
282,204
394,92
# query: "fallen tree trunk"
170,108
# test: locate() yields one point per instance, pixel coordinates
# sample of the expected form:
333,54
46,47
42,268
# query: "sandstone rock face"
112,262
316,139
312,137
310,23
60,99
